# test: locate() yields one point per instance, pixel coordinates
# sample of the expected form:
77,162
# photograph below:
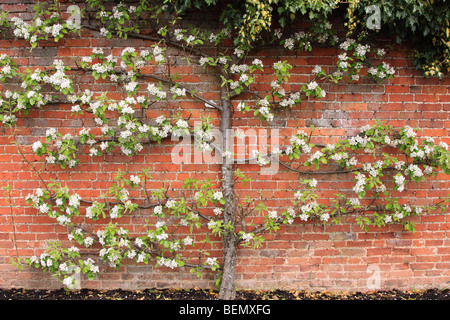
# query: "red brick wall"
299,256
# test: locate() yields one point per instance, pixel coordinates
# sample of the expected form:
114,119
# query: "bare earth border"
201,294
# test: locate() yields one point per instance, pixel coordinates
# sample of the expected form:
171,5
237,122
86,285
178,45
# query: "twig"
30,164
156,39
8,190
318,172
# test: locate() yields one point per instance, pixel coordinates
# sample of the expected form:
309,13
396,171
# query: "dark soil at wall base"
199,294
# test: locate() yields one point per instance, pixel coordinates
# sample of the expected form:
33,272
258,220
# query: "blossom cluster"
63,263
426,156
368,177
41,28
127,134
381,72
299,144
119,20
189,39
299,40
62,149
320,33
116,242
129,131
65,205
351,61
31,95
8,67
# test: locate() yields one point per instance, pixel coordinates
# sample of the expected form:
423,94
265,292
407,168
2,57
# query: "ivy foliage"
425,24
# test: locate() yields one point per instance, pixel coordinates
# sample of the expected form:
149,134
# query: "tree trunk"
228,282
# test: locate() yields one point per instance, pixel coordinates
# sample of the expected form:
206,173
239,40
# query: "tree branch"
318,172
208,102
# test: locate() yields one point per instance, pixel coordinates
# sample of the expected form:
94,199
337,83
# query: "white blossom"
217,195
223,60
316,70
361,50
239,52
37,145
182,124
278,33
203,61
415,170
399,180
211,261
88,241
303,217
68,281
289,43
178,91
355,202
443,145
135,179
388,219
171,203
312,183
141,257
409,132
162,236
360,183
247,236
272,214
312,85
190,39
74,200
398,215
128,50
139,242
258,62
131,254
158,210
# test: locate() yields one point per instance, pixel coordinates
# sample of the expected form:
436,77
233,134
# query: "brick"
78,42
304,254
